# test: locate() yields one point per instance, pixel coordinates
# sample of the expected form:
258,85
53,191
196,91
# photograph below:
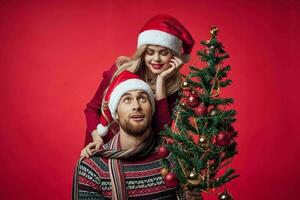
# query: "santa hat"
126,81
166,31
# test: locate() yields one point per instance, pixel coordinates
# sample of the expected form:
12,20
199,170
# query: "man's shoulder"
96,163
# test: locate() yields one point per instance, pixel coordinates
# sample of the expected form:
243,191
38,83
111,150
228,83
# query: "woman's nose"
156,57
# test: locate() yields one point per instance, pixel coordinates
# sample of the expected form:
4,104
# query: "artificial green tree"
201,138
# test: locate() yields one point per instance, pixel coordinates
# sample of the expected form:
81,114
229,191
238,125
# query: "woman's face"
157,59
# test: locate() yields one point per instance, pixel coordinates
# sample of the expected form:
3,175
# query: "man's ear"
117,116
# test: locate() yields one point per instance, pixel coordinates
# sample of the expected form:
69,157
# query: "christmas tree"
201,135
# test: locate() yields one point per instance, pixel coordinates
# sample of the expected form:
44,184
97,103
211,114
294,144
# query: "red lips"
157,66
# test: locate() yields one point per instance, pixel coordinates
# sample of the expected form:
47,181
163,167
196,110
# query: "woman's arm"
93,108
163,112
164,104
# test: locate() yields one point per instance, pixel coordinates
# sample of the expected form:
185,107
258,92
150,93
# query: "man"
128,166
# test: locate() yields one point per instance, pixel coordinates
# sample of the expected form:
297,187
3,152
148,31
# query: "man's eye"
143,99
126,100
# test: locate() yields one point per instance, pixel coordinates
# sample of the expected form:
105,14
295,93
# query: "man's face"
134,112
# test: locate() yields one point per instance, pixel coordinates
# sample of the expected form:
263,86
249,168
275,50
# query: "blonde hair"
135,64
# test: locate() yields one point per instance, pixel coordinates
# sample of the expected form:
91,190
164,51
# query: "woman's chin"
157,71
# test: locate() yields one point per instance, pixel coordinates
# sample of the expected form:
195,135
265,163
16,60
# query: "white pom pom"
186,58
102,130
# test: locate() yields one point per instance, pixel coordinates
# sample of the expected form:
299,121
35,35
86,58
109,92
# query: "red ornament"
174,128
209,108
192,121
206,51
193,100
171,180
186,93
195,137
201,109
184,100
198,89
231,131
163,151
222,139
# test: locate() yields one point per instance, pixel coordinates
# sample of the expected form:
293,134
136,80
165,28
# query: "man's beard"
137,129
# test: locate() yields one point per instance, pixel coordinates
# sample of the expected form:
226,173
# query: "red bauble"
174,128
223,139
195,137
186,93
231,131
209,108
199,90
201,109
184,100
192,121
163,151
171,180
206,51
193,100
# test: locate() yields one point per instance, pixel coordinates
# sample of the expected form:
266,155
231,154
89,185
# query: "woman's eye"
150,52
165,53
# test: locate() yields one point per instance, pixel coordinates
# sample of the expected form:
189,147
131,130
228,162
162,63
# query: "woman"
163,45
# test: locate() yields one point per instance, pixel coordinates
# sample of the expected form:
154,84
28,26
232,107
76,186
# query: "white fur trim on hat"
102,130
126,86
156,37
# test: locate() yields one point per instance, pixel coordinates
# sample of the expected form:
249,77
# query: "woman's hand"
93,146
161,90
89,149
175,65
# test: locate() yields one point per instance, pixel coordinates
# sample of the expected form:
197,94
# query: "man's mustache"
136,114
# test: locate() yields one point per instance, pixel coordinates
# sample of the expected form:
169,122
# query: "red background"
53,54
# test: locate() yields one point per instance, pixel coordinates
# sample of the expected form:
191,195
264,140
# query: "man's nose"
136,104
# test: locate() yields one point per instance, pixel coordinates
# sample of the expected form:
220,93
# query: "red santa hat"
166,31
126,81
